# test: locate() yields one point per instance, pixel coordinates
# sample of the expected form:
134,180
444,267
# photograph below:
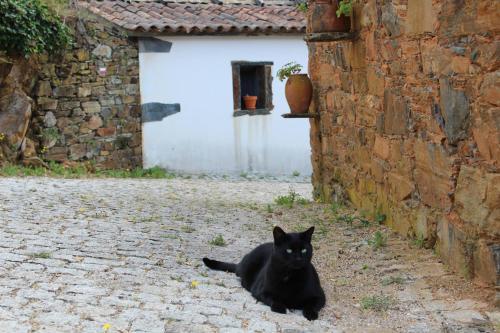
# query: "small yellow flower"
194,284
106,327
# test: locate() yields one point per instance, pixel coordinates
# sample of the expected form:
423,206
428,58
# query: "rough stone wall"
409,124
94,116
81,113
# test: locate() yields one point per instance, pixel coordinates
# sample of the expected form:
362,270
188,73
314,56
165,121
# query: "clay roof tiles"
200,17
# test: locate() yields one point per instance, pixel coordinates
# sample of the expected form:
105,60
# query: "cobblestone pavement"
78,254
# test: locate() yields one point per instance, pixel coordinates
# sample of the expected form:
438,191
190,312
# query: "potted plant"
331,15
298,87
250,102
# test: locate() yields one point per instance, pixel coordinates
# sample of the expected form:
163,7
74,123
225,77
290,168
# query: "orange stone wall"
409,124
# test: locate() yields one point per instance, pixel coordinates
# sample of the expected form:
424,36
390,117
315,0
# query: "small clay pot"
250,102
298,93
324,17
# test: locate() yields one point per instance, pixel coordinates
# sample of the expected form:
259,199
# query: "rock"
84,91
455,106
421,16
15,115
65,91
47,103
390,20
91,107
396,114
43,89
94,122
103,51
106,131
77,151
49,120
29,149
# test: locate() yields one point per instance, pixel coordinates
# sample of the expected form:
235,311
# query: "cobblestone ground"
78,254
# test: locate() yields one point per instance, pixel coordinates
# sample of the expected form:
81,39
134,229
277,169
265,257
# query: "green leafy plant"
345,8
291,198
218,241
289,69
302,6
30,27
378,240
376,303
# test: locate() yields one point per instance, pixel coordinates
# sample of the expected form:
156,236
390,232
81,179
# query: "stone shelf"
300,115
329,36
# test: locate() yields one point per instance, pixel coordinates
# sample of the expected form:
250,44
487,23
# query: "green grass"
392,280
376,303
378,240
296,174
187,229
82,170
41,255
419,241
218,241
290,199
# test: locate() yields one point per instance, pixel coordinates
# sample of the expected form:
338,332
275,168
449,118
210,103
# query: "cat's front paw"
310,314
279,308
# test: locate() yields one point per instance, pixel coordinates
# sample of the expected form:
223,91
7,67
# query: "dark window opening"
253,79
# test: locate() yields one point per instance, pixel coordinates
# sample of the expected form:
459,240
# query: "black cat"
281,274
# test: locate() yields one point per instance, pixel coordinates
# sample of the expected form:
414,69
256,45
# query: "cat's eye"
303,251
288,251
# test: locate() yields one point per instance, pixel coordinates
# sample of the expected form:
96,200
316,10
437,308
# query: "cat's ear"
279,235
307,235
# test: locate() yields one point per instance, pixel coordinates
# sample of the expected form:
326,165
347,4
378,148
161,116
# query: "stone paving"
79,254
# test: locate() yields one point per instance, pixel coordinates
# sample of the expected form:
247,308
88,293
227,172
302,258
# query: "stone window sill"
256,112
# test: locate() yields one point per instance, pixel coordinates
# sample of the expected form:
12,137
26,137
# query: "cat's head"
293,249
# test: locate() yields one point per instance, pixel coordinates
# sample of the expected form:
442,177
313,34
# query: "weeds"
269,209
392,280
296,174
419,241
291,198
378,240
82,170
41,255
218,241
376,303
187,229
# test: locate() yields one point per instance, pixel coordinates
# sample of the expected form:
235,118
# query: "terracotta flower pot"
324,17
298,93
250,102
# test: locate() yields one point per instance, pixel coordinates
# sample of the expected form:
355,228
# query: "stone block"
47,103
455,106
490,89
396,113
102,51
64,91
421,16
487,262
106,131
477,199
401,187
77,151
91,107
376,82
454,247
433,172
381,147
94,122
43,89
49,120
84,91
391,20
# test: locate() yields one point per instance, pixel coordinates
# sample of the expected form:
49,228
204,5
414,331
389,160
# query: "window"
253,79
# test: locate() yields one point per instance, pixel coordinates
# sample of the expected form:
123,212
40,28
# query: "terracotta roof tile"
162,17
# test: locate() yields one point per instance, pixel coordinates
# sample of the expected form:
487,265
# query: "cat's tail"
219,265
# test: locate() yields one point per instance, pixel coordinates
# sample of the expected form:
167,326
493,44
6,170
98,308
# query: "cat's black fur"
280,279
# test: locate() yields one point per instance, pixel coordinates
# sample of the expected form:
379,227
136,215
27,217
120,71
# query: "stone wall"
86,103
409,124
